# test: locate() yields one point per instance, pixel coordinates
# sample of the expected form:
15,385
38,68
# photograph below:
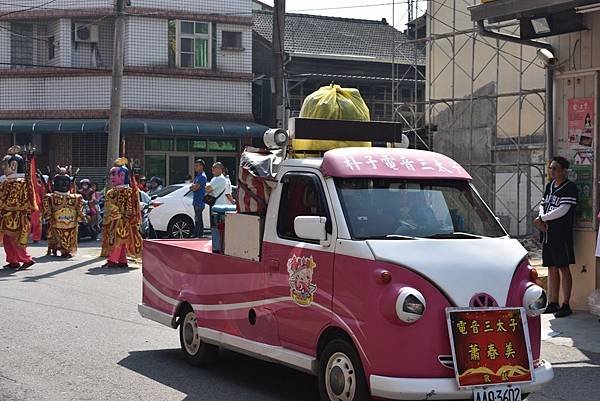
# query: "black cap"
200,161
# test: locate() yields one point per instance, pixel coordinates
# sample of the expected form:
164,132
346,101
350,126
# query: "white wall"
4,45
147,42
232,60
57,5
187,95
232,7
82,52
139,92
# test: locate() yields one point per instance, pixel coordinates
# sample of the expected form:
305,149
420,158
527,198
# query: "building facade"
487,99
569,31
369,55
187,85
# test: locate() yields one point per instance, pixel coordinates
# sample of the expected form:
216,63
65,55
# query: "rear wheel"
341,376
196,351
181,227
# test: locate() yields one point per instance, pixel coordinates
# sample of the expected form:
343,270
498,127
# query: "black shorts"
558,254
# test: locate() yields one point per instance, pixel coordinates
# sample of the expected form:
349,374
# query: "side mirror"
311,227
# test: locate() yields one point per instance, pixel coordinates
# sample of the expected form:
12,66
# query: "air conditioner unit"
86,33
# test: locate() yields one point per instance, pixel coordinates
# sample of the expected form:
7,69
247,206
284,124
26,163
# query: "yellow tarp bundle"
333,103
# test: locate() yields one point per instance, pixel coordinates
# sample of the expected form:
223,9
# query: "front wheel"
341,376
196,351
181,227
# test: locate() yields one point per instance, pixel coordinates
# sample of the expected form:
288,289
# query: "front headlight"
410,305
535,300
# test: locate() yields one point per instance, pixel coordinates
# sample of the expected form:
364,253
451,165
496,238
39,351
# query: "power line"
28,8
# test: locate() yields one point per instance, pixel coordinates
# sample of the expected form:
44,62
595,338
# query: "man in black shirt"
555,220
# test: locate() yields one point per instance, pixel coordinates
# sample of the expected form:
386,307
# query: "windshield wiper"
389,236
454,235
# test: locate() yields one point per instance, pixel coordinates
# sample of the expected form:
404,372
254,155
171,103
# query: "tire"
180,227
341,375
196,351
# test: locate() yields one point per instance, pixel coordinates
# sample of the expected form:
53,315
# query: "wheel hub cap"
191,339
340,378
337,380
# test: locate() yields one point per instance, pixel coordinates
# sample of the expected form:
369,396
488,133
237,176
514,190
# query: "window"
231,40
156,166
302,195
222,146
51,48
190,44
159,144
191,145
21,44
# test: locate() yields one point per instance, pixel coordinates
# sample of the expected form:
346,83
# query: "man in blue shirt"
199,189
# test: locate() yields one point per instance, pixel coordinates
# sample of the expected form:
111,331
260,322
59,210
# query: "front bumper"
394,388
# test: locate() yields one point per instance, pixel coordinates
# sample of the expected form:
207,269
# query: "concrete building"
187,89
572,56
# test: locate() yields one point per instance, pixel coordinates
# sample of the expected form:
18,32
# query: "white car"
173,213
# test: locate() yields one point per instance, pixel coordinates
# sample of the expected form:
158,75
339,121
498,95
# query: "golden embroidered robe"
63,212
121,222
17,202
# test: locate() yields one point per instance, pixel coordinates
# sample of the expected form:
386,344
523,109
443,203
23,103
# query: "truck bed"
218,287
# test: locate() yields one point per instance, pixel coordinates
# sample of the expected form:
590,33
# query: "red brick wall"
5,143
134,149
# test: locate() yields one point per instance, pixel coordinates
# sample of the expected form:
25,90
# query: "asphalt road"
70,331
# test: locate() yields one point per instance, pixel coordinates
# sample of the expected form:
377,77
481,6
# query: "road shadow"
7,272
233,377
107,271
33,279
582,329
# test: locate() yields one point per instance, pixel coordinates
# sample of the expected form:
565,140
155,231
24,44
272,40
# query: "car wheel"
180,227
341,376
196,351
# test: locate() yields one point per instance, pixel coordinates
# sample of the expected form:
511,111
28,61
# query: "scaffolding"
484,105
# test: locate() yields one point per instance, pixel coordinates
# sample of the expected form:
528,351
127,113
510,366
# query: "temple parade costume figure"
122,218
63,211
17,202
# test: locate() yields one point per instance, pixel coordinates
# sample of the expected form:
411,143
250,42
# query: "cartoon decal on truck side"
302,289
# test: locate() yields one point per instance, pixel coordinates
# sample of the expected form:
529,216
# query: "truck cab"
362,255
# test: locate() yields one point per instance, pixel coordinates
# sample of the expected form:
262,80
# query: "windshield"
167,191
406,209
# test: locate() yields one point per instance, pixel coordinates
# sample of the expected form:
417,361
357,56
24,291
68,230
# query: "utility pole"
114,124
277,81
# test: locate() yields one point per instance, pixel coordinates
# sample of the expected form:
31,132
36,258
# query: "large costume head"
61,183
119,174
13,162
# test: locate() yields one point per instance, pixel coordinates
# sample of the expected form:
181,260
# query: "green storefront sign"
585,206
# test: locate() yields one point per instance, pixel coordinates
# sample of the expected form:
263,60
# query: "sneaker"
12,266
565,310
552,308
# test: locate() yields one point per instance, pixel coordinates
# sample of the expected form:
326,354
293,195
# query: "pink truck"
367,257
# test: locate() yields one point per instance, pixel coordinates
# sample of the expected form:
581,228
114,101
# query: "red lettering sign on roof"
390,163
